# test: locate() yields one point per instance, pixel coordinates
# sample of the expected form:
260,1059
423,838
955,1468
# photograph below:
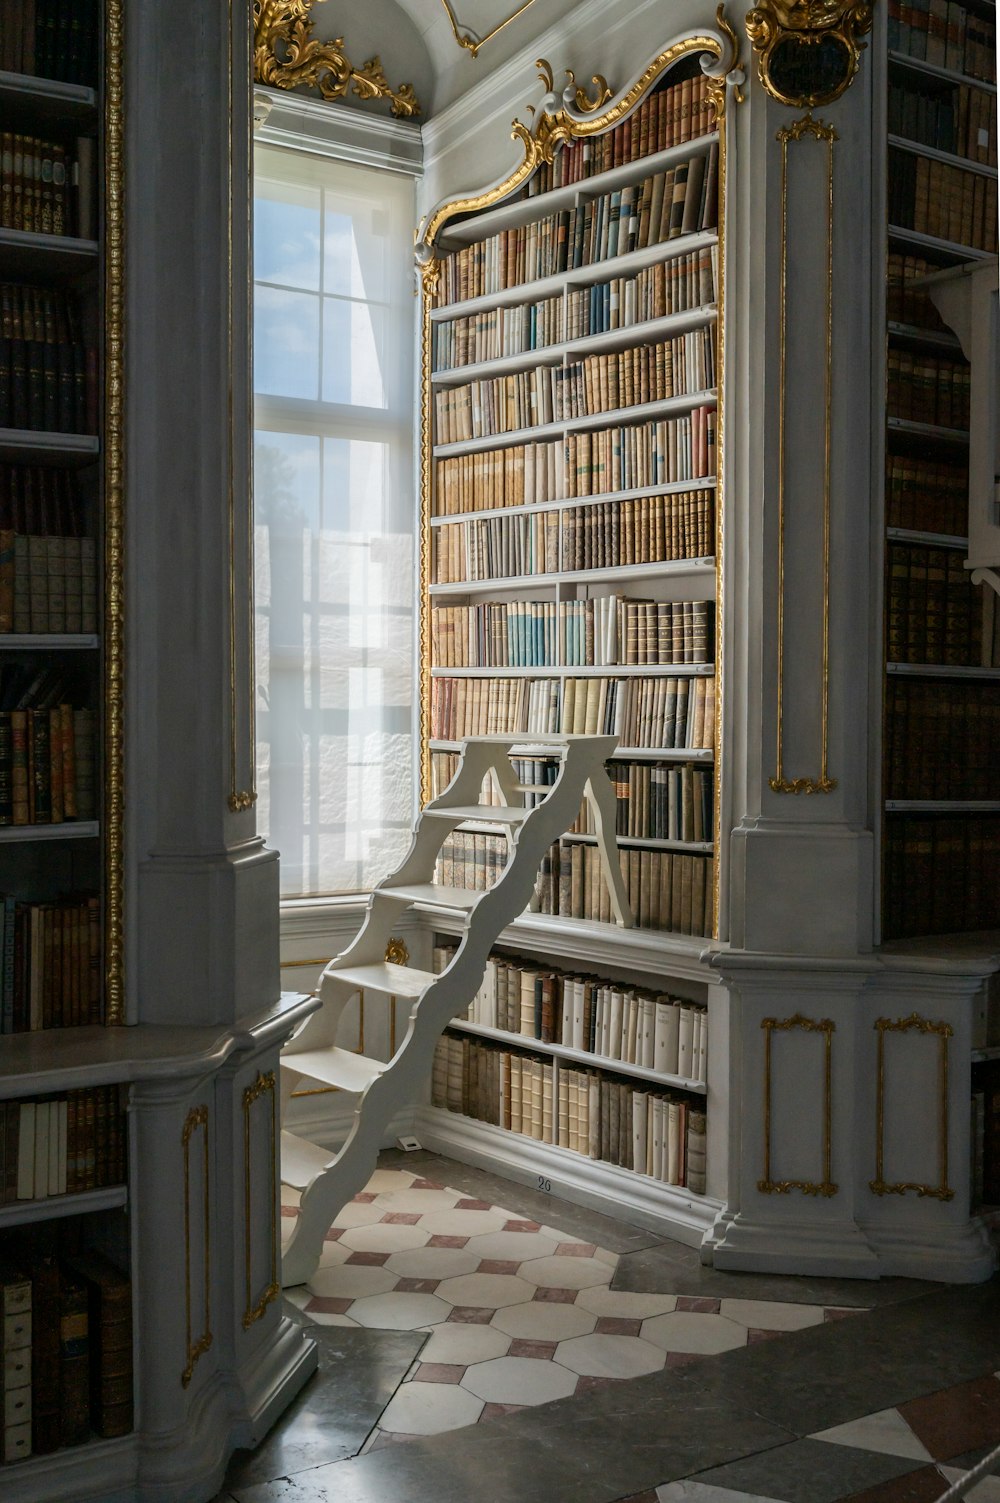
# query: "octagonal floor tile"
428,1408
333,1253
464,1345
623,1304
384,1236
566,1273
290,1197
352,1280
515,1246
357,1213
432,1263
693,1331
485,1291
519,1380
601,1356
386,1180
418,1200
771,1315
332,1319
398,1312
452,1223
540,1321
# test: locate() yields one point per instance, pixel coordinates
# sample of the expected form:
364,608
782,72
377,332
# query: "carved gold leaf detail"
286,26
809,24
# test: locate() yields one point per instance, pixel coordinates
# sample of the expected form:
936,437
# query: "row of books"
62,1145
941,739
945,33
658,802
673,286
50,39
67,1344
985,1114
599,383
599,1116
941,874
604,630
48,375
46,765
926,388
661,712
47,584
618,1021
933,613
674,114
927,495
962,120
590,463
50,976
680,201
934,198
46,188
43,500
906,302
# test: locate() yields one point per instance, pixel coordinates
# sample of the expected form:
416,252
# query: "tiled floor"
518,1312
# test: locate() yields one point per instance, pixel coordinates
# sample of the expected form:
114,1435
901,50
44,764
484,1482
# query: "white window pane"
286,343
286,234
354,354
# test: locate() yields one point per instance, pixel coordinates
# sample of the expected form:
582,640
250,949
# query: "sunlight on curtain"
333,377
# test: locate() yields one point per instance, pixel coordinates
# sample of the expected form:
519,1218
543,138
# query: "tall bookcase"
572,534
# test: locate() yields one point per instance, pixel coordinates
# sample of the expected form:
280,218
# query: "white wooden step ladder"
328,1181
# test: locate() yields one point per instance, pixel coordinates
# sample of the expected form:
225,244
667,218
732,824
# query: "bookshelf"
572,370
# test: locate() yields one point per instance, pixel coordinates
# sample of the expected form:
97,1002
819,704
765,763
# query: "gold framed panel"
824,1186
801,130
879,1185
196,1345
256,1308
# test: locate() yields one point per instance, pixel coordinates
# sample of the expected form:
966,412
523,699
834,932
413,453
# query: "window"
333,379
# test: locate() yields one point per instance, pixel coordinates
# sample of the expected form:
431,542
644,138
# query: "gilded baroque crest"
808,51
286,55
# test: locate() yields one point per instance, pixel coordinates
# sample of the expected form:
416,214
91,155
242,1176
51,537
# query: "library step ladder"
328,1181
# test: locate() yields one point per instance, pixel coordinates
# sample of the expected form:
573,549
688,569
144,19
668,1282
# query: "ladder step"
489,812
301,1160
390,980
335,1067
452,899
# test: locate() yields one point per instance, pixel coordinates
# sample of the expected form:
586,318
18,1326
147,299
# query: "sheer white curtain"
334,515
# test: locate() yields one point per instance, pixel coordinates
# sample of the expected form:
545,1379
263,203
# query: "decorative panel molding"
934,1037
823,1183
262,1090
197,1259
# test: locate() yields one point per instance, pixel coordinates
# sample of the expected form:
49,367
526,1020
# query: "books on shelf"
665,711
934,198
941,874
961,120
15,1349
650,1132
665,206
679,285
48,373
926,388
50,976
927,495
933,613
947,34
47,187
46,756
48,566
601,630
50,39
658,801
631,1024
941,739
61,1145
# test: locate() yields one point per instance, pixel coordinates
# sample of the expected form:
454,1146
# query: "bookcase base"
963,1254
667,1209
826,1251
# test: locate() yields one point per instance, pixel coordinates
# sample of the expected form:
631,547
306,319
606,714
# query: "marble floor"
473,1329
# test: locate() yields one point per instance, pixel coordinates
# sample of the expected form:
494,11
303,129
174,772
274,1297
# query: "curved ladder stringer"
438,998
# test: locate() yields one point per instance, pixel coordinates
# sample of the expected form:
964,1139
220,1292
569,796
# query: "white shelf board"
666,568
643,843
53,1207
936,243
48,641
941,806
625,265
651,330
941,670
928,430
611,670
931,539
71,829
931,153
989,1051
23,445
580,1056
950,75
615,418
633,753
914,334
27,252
539,205
572,503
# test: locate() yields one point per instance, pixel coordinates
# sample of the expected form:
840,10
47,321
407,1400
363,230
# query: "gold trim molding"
196,1347
472,45
255,1309
825,1186
779,783
808,51
286,26
879,1185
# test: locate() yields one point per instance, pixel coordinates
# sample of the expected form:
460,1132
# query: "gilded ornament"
808,50
825,1185
880,1185
305,61
473,45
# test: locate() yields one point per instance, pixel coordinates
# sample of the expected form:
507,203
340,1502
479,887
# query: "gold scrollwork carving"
808,51
255,1308
288,25
197,1346
800,129
879,1185
825,1186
